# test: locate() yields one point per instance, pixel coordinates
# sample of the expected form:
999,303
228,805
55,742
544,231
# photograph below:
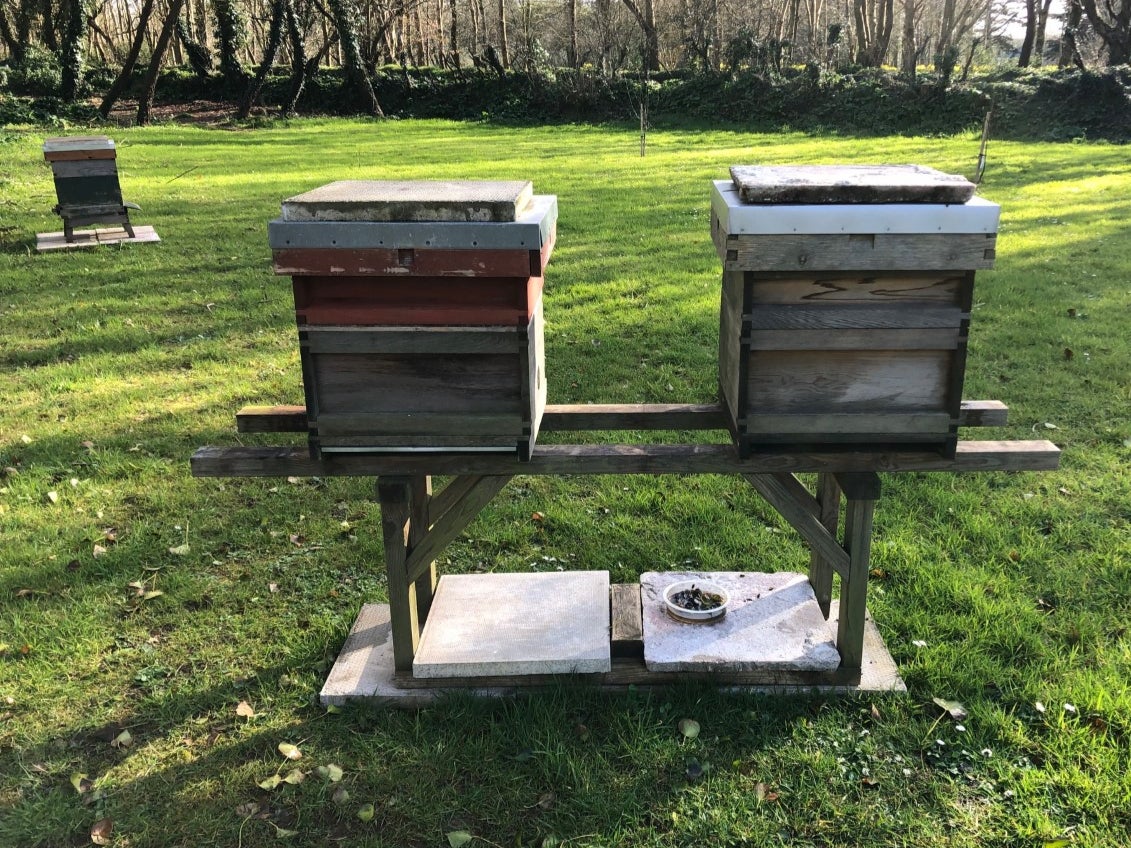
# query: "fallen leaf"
122,740
26,439
953,708
151,594
247,810
243,708
294,777
918,643
1068,354
270,783
547,800
870,782
1050,426
340,796
100,832
366,813
297,539
1070,708
1039,707
458,838
283,833
875,713
180,550
332,772
291,752
53,497
81,783
689,727
99,551
760,790
534,516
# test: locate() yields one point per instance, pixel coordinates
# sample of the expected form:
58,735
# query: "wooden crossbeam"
601,416
448,525
1035,455
795,508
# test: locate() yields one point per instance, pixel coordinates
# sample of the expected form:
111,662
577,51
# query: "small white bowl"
682,614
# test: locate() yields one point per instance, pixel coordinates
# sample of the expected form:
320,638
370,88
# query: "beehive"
419,312
846,299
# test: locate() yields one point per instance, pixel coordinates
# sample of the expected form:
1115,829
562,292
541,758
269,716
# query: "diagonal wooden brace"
789,497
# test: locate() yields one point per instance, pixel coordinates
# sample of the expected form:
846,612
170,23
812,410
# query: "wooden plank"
419,524
447,527
423,425
733,328
461,341
879,289
394,495
854,583
84,168
806,381
1034,455
854,339
796,427
419,442
880,252
627,627
801,518
828,513
983,413
856,317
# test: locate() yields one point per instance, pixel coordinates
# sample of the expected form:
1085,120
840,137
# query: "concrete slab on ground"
772,622
45,242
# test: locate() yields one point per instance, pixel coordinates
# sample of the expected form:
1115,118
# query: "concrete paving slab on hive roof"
411,200
485,625
772,621
848,184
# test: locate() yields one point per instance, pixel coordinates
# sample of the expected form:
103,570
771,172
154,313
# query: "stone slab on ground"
45,242
772,622
484,625
411,200
363,671
848,184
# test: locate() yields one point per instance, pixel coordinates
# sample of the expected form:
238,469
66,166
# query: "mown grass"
1008,592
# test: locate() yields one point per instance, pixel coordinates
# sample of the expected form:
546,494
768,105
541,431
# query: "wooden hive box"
844,324
419,313
85,171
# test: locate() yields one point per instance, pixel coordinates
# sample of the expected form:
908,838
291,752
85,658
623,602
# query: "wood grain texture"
1035,455
627,622
410,262
854,583
828,513
598,416
447,526
799,513
881,252
394,495
878,289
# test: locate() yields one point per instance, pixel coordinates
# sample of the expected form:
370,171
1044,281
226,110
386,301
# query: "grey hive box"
419,312
844,325
85,172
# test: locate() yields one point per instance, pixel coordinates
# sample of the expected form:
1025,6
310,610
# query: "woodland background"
1048,68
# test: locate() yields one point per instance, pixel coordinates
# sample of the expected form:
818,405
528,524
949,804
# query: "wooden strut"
417,525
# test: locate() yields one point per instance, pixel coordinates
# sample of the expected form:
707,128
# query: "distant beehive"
846,304
419,309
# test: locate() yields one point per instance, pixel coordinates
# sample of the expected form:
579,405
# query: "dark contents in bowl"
696,599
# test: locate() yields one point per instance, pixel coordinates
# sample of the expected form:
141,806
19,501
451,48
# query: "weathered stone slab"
489,625
977,215
848,184
411,200
772,622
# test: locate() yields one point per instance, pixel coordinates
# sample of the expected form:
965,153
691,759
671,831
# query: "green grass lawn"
140,607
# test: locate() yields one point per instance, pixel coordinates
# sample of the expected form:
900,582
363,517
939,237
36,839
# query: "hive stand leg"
395,497
861,491
419,523
820,568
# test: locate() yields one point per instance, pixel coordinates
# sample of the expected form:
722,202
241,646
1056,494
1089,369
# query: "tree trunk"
1030,34
279,9
119,85
200,59
231,33
47,31
1069,52
1114,28
7,34
874,20
504,46
74,40
907,53
146,100
645,15
344,15
571,33
1042,23
300,68
454,38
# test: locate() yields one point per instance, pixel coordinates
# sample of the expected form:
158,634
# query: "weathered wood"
828,513
451,523
924,293
1035,455
84,168
411,262
394,493
584,417
424,426
420,523
854,584
800,515
849,339
848,184
627,628
410,340
415,301
879,252
826,427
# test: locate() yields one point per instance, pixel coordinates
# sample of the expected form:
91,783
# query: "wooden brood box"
846,324
419,335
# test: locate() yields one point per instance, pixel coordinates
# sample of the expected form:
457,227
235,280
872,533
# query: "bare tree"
874,19
645,14
1112,22
123,78
149,87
